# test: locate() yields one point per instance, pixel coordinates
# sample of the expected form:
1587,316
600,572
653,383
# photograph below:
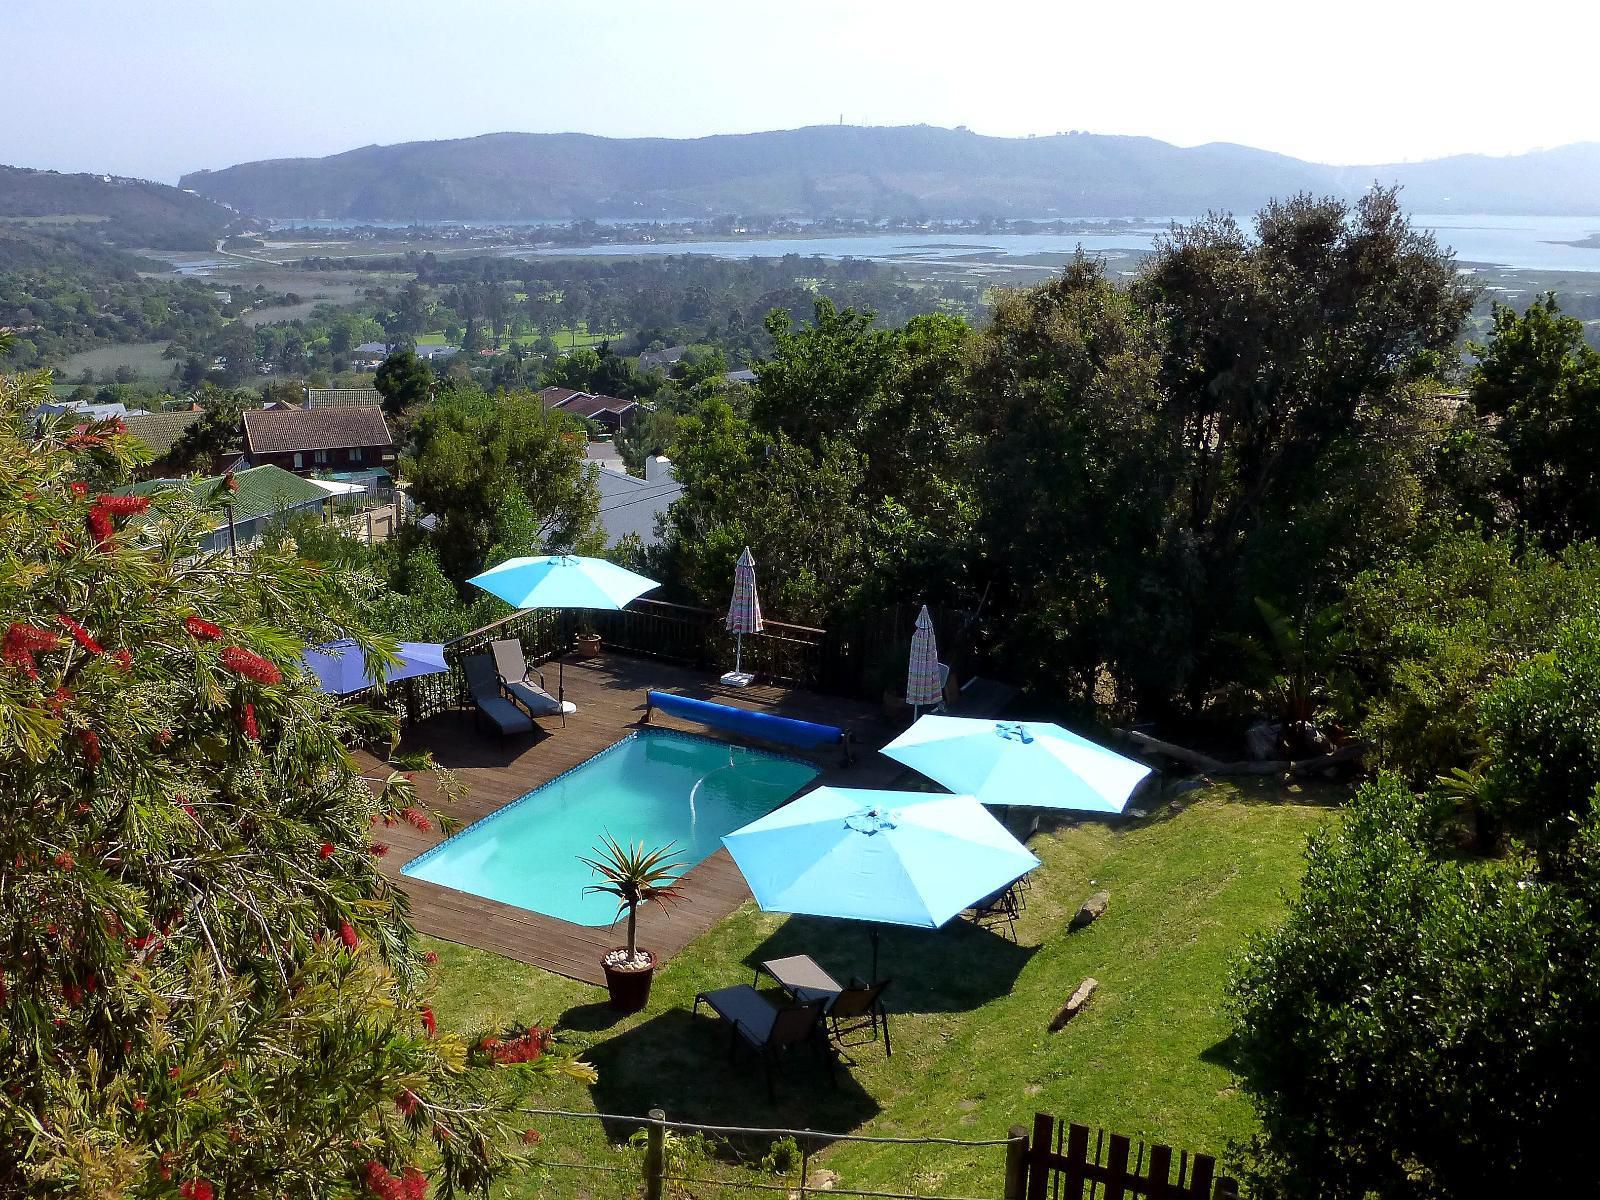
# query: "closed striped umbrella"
744,615
923,685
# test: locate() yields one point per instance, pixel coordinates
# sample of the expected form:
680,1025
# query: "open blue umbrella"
563,581
1022,763
341,667
892,858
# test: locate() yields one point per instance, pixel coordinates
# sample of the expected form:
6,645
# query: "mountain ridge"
861,171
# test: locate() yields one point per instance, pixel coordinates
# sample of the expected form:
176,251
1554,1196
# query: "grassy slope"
972,1055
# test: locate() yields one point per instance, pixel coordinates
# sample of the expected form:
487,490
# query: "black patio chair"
998,910
851,1010
772,1032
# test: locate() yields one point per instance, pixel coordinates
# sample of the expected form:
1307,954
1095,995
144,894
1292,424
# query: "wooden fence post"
1039,1156
655,1156
1016,1187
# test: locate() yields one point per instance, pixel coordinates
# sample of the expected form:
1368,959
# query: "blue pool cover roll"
766,726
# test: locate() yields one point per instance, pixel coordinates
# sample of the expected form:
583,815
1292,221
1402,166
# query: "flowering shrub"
208,989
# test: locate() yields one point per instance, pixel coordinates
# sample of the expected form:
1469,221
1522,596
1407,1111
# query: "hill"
852,171
122,212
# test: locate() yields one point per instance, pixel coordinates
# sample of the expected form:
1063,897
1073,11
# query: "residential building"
609,412
81,410
319,440
264,493
343,398
160,431
630,505
662,360
742,375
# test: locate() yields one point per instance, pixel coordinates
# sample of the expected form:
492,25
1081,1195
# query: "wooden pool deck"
609,693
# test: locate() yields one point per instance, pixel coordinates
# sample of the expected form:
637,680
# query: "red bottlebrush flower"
377,849
138,1104
347,935
79,634
202,629
64,861
247,722
196,1189
98,523
72,993
527,1047
174,1072
57,701
123,659
415,816
89,743
189,808
406,1102
382,1184
531,1137
163,738
429,1021
22,642
325,850
79,488
430,958
123,506
414,1184
250,665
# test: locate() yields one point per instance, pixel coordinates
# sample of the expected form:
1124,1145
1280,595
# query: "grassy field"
143,357
972,1054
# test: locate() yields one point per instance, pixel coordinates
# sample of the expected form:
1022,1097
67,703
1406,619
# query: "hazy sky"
159,87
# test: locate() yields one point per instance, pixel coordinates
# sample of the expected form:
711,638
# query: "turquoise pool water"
654,786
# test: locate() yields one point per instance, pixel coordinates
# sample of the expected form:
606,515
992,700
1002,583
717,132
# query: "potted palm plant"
633,875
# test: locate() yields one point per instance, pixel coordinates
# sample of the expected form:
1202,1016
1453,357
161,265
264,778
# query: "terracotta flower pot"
629,986
588,645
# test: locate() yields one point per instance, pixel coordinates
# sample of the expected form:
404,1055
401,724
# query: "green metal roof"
262,492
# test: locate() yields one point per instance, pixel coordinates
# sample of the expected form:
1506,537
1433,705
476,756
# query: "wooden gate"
1073,1162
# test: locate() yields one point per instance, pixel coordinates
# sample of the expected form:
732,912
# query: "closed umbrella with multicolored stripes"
923,685
744,616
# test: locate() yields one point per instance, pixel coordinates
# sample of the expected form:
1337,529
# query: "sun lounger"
523,685
491,705
767,1029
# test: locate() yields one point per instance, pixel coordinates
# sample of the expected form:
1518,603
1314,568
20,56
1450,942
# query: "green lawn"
972,1054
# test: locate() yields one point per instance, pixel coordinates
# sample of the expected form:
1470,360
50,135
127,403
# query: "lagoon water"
1523,242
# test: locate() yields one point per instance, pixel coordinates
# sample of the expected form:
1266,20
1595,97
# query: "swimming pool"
654,786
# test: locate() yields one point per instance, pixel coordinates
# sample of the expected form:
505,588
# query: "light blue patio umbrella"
563,581
341,667
888,858
1027,764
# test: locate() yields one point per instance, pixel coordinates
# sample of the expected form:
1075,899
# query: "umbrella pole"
874,936
738,652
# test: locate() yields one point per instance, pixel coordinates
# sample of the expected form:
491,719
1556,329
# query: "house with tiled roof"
319,440
160,431
609,412
343,398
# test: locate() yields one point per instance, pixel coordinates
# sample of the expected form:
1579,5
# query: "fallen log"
1350,752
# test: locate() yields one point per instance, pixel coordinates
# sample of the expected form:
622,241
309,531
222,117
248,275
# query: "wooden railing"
676,633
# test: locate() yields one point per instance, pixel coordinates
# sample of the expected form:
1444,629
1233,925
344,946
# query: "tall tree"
472,453
404,381
1537,381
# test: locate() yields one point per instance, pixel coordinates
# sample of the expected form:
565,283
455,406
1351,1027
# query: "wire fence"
674,1156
